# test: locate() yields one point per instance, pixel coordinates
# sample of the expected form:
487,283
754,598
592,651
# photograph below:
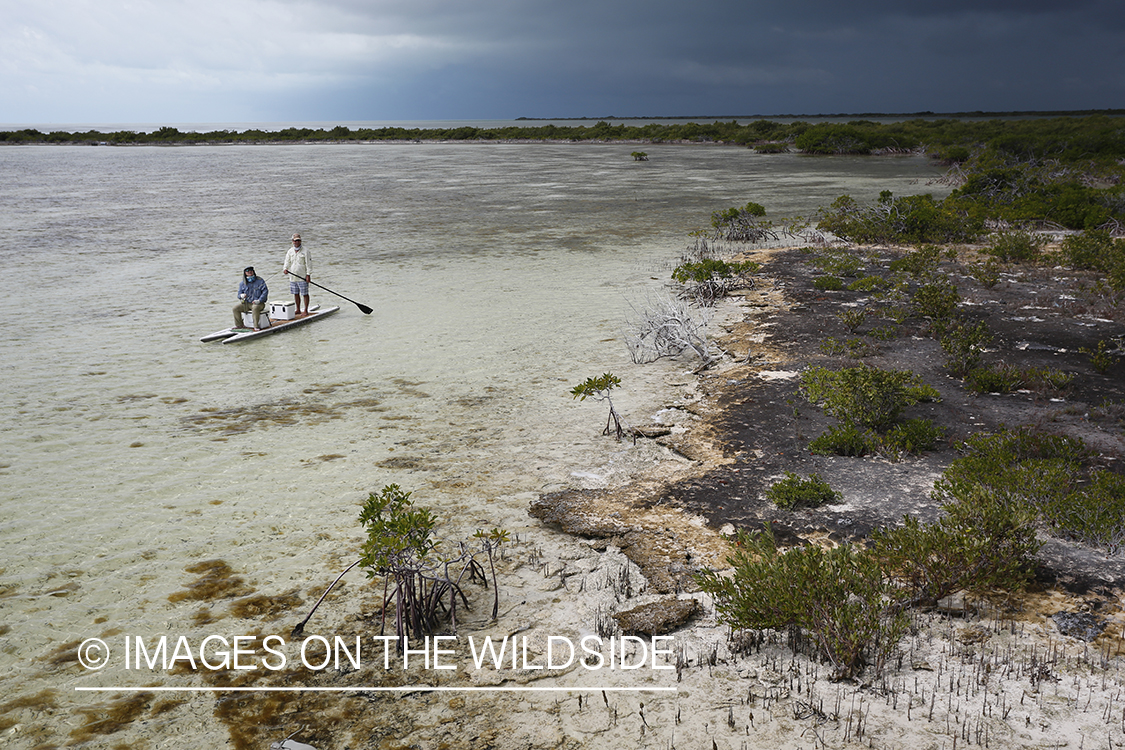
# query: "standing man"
252,295
298,266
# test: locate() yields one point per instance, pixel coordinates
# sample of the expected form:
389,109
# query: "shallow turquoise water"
500,275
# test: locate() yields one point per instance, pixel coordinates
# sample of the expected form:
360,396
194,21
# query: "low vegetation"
599,388
708,280
848,604
423,576
1053,480
909,219
834,600
864,396
1007,489
743,224
794,492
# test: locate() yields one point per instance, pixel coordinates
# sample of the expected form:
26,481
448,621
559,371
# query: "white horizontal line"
406,689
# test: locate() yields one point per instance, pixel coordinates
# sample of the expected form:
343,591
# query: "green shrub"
1020,247
987,273
836,598
867,284
1101,358
1043,476
1116,275
1004,378
743,223
1018,185
850,601
1094,250
1048,379
994,379
793,492
771,148
422,586
978,545
828,283
909,219
921,263
883,333
833,347
853,347
852,318
838,263
711,279
919,392
712,268
394,528
599,388
838,138
913,436
1093,513
895,314
1012,446
937,300
843,440
750,209
864,396
964,344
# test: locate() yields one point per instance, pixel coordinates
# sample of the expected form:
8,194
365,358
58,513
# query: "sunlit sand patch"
778,374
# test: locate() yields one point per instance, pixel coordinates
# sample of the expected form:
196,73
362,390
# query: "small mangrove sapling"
599,388
422,583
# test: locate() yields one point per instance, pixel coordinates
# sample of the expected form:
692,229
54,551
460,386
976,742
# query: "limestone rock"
658,617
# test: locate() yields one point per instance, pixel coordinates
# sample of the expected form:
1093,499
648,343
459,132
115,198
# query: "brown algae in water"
266,607
43,700
64,654
216,581
112,717
283,413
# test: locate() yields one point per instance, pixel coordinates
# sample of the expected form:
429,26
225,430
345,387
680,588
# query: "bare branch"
667,327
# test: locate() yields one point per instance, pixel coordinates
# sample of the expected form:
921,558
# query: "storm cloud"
152,61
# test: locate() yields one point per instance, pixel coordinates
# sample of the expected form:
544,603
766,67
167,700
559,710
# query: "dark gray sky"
215,61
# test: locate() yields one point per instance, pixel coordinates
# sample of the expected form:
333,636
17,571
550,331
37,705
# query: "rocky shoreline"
751,426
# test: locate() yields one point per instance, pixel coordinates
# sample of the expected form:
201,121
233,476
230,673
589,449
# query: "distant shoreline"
1096,136
413,130
845,115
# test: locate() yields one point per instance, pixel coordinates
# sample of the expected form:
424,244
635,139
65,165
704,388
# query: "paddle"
363,308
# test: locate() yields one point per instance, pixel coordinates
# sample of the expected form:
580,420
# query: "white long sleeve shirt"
298,262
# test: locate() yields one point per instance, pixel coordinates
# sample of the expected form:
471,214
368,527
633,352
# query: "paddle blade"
364,309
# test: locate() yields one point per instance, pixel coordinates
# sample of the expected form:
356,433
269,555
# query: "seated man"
252,295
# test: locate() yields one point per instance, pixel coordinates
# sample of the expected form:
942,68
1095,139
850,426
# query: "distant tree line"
1097,136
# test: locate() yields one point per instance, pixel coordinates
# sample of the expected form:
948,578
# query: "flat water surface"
500,276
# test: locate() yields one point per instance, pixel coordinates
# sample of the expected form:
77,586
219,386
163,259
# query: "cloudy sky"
238,61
